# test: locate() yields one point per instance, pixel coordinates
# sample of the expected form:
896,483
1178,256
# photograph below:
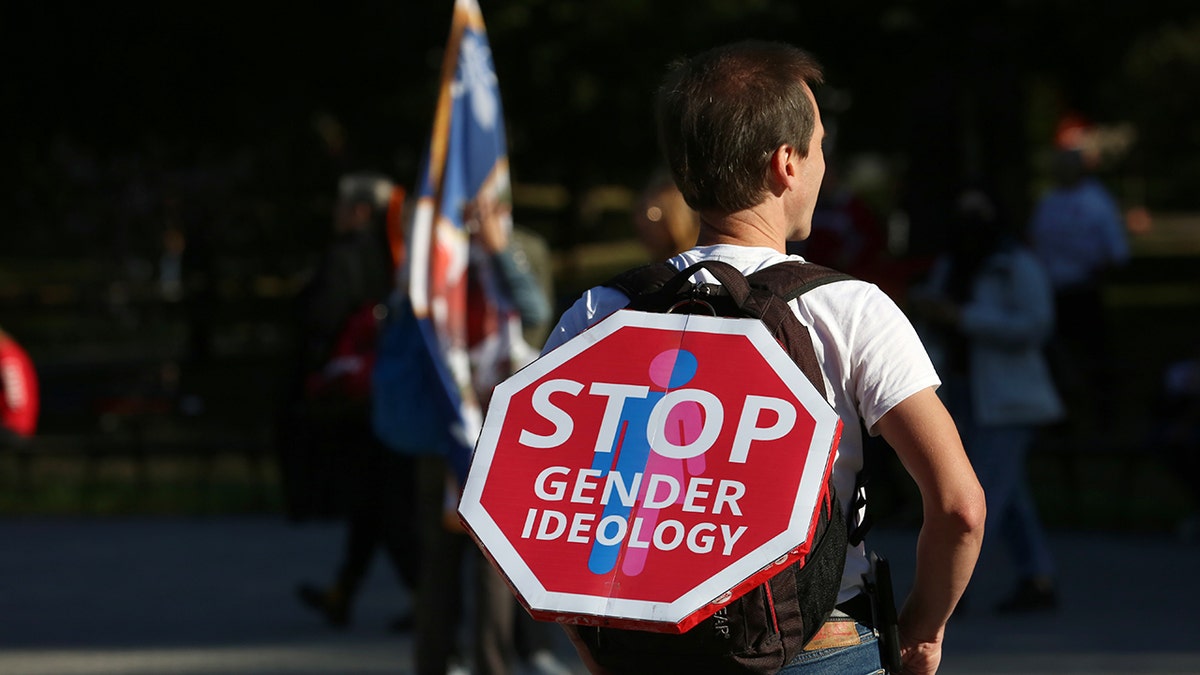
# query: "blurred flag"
463,312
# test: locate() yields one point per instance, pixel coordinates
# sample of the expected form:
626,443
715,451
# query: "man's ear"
784,167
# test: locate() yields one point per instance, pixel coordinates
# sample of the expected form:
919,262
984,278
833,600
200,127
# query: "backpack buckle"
696,299
692,302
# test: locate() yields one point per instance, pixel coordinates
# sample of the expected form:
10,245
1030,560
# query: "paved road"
209,596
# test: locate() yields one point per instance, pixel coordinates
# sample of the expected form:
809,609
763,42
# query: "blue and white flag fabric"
468,322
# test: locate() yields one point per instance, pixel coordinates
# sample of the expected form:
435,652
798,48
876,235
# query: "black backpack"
761,631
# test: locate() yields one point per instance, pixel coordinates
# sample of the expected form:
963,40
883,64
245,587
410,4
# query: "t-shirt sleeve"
589,309
888,362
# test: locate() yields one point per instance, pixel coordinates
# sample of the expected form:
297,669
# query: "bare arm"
927,442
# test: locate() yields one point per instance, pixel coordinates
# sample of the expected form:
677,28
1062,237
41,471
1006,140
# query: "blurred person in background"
664,223
846,234
340,313
18,393
1176,433
987,309
499,636
535,640
1078,233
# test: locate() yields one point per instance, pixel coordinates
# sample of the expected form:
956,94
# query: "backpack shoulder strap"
784,282
659,287
781,283
764,294
642,280
788,280
791,279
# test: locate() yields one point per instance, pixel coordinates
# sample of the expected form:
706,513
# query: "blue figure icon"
631,451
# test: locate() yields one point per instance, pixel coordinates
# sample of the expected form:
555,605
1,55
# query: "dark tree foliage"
309,89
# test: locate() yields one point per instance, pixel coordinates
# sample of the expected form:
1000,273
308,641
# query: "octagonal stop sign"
650,470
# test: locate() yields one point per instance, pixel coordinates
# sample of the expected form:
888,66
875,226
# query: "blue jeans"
998,454
859,659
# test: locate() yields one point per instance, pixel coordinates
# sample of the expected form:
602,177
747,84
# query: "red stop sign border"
707,595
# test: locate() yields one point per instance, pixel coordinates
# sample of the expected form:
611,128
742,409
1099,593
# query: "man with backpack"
741,132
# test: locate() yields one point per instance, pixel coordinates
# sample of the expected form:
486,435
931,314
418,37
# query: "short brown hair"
722,113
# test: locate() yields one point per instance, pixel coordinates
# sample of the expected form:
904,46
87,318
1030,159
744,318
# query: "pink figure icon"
669,370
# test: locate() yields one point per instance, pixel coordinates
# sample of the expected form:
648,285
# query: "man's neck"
750,227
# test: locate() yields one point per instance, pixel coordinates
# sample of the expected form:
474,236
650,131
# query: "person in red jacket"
18,392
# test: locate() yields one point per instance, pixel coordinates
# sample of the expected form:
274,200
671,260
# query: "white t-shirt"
869,353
